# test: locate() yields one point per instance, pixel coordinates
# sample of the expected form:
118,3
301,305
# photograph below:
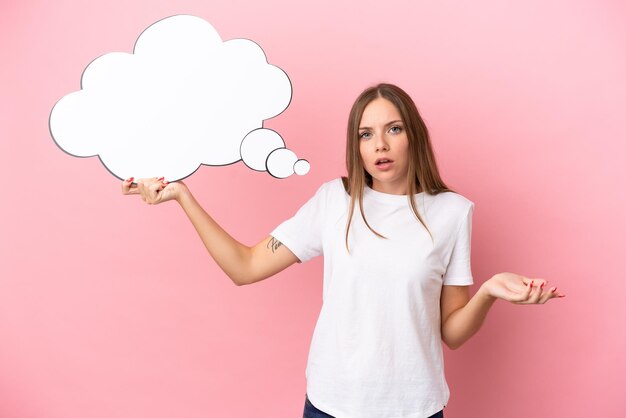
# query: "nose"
381,143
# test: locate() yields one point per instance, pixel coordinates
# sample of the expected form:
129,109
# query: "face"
382,137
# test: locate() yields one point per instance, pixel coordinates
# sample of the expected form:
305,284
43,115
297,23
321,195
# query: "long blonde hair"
422,170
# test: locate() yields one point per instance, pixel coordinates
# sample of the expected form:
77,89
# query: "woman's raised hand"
519,289
154,190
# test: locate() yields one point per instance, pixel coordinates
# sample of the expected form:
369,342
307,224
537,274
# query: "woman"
396,246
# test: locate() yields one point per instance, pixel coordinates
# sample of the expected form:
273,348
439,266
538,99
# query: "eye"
364,135
396,129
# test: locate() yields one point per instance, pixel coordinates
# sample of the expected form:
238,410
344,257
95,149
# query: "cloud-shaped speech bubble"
182,99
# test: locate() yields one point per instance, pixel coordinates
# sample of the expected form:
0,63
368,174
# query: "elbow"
240,276
447,343
237,280
452,345
242,280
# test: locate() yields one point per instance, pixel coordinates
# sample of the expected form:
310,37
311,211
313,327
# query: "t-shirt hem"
288,242
338,414
459,281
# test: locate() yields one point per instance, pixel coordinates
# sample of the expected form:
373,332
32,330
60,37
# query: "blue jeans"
312,412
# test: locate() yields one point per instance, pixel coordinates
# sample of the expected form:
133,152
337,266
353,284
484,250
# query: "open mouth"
383,161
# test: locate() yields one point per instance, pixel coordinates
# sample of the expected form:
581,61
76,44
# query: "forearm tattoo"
274,244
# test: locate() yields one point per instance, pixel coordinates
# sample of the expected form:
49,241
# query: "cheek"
363,153
365,158
405,148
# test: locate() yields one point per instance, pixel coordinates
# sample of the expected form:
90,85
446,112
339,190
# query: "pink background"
113,308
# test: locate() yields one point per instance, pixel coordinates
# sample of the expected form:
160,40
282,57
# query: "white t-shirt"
376,349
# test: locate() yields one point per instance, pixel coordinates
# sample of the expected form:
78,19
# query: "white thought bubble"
182,99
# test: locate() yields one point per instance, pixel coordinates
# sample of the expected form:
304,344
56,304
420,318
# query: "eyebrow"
387,124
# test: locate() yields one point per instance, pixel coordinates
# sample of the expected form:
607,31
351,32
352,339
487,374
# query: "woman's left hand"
519,289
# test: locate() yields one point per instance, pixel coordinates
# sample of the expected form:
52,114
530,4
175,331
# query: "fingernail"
541,287
554,290
166,182
160,178
130,179
531,283
561,296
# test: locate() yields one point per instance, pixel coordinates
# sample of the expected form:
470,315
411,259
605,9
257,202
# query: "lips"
383,160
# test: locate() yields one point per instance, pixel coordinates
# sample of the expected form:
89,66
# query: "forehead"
379,112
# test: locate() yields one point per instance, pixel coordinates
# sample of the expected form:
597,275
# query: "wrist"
483,293
182,193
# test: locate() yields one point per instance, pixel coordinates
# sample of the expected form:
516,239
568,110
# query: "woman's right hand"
154,190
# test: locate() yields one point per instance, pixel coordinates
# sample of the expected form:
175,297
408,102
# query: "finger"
521,285
148,189
153,191
527,291
547,295
132,189
128,187
517,287
536,281
147,182
516,295
142,190
156,186
126,184
558,294
536,293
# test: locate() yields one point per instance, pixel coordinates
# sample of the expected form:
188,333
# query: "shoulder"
328,192
453,202
333,187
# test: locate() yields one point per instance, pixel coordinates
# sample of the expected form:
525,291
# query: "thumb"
156,186
526,280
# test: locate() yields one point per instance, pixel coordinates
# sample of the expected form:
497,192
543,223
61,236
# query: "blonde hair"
422,169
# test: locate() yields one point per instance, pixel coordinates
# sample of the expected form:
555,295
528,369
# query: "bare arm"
242,264
462,317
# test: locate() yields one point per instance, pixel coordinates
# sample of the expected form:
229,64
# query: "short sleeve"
302,233
459,270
